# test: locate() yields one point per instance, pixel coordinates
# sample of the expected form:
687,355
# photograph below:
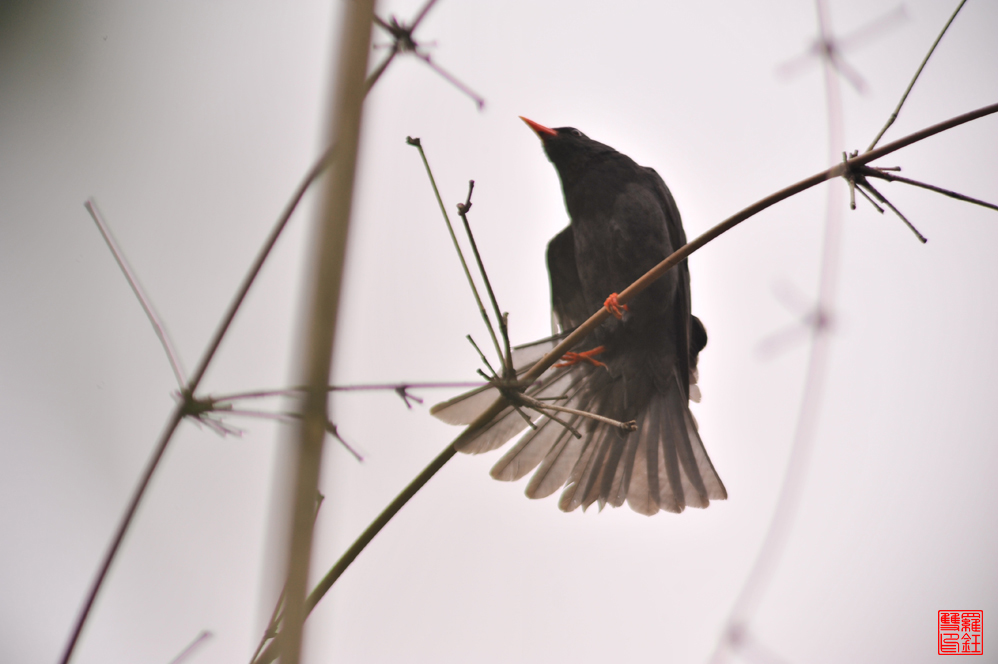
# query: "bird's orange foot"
570,358
614,307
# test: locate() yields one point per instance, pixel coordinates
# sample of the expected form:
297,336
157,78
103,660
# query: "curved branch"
273,650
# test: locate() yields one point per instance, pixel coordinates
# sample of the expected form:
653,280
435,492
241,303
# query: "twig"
872,29
883,175
832,48
401,390
865,184
271,653
918,73
462,210
545,407
133,281
376,74
453,80
484,359
276,615
867,197
186,652
334,431
119,535
416,143
394,387
404,42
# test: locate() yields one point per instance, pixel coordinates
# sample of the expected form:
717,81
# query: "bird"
639,366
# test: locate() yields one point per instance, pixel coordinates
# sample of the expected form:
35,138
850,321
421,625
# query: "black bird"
640,365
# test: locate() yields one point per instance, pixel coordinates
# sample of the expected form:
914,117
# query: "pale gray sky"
191,124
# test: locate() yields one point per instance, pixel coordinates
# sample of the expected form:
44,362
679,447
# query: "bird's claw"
614,306
570,358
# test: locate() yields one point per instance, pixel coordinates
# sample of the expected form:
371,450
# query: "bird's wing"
567,302
682,323
677,237
639,237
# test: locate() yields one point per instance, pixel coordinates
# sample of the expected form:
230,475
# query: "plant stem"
317,334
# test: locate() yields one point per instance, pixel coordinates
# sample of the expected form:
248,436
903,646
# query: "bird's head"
569,149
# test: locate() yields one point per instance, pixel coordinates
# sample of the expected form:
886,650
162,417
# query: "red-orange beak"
539,129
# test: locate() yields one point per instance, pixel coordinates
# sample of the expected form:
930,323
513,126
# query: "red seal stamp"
961,632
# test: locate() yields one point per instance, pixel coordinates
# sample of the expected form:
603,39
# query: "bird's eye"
577,133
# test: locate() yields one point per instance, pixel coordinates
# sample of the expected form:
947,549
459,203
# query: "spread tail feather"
662,465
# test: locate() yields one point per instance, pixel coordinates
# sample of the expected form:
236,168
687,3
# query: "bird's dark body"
624,221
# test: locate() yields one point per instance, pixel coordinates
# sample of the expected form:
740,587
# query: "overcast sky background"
191,124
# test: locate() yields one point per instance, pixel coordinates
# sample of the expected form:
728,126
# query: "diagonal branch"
453,80
918,73
273,650
192,646
462,210
415,142
881,174
544,408
404,42
865,184
133,281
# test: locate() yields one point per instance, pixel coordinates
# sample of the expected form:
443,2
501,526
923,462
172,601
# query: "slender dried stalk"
133,281
544,408
415,142
462,210
325,274
189,650
878,173
373,387
904,97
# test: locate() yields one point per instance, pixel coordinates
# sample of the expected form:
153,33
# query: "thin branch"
133,281
833,48
394,387
186,652
865,184
918,73
332,429
376,74
422,14
453,80
462,210
277,614
872,29
272,652
164,439
271,631
484,359
563,423
544,408
867,197
415,142
880,173
405,396
404,42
